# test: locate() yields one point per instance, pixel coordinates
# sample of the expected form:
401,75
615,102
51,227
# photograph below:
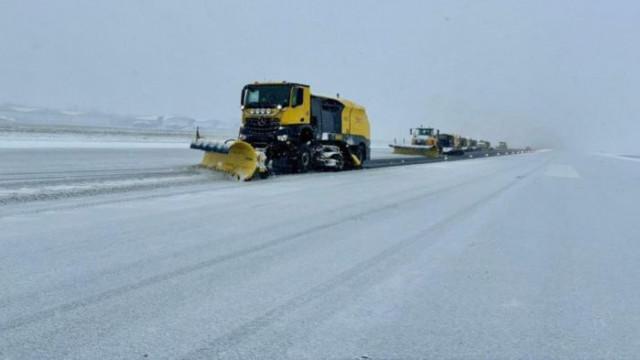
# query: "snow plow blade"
430,151
234,157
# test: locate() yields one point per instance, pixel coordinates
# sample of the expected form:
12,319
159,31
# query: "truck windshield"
266,96
424,132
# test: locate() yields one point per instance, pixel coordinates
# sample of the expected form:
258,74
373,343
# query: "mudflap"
350,158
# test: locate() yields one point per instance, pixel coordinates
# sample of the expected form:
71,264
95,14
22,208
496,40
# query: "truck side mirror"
410,131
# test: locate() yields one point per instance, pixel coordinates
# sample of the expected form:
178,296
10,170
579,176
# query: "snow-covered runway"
528,256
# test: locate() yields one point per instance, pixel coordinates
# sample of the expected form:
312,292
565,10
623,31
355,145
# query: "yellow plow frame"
429,151
234,157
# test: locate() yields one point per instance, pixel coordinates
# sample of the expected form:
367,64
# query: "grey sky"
535,72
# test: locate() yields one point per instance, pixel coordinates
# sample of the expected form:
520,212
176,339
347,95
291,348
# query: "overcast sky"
541,72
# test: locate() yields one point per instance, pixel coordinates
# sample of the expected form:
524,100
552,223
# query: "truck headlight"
283,137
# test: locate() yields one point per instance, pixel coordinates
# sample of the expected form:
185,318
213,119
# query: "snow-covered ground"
134,253
41,136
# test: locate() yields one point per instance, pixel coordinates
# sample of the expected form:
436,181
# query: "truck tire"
303,161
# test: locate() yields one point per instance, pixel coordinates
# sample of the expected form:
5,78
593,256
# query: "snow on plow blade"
234,157
430,151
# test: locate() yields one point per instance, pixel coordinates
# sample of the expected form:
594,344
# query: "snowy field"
18,135
126,250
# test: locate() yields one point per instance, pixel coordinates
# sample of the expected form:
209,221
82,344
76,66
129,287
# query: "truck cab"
293,126
424,136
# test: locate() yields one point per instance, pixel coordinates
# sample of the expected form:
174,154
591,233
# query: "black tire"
303,161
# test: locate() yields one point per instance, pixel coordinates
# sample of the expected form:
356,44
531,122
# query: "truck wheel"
303,163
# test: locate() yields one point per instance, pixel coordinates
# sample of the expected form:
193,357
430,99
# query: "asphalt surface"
523,256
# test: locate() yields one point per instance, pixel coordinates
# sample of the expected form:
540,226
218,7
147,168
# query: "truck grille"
261,125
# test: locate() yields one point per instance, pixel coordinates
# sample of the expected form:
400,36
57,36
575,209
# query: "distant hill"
21,114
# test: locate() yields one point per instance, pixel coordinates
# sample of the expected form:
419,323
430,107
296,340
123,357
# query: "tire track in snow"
96,184
87,183
222,344
153,280
89,201
92,202
397,197
45,176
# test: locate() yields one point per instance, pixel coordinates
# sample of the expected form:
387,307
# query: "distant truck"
450,144
484,145
424,136
473,145
424,141
502,145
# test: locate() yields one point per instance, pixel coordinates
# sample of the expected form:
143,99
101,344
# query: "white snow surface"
499,257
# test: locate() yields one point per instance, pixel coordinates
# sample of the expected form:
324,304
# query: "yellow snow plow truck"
287,129
424,141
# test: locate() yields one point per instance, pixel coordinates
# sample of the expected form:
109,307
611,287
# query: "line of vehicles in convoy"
285,128
431,142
